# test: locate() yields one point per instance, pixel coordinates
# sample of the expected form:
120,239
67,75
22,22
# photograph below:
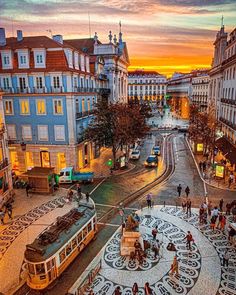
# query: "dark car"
152,161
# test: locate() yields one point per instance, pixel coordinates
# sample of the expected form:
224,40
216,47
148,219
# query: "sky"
162,35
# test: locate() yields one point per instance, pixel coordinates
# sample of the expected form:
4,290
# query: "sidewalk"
99,165
30,217
211,180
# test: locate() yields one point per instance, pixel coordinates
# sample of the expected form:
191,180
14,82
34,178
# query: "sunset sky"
165,35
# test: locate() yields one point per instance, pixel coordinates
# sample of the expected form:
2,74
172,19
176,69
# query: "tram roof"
39,252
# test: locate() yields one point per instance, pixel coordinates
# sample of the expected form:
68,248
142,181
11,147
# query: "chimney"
19,35
2,37
58,38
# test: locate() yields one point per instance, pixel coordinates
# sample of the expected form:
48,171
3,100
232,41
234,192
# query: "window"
74,243
6,84
39,82
59,131
24,107
39,58
57,107
26,132
68,249
88,103
41,107
22,83
11,131
31,268
8,104
22,59
89,227
79,237
62,255
43,132
56,82
6,60
85,232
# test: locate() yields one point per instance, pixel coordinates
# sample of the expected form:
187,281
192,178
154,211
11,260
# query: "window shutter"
26,132
11,131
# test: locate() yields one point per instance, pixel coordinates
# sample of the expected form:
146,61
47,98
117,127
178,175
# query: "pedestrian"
9,210
220,217
156,249
69,195
234,213
231,178
226,259
2,215
184,206
117,291
201,214
221,205
179,189
189,239
87,197
213,222
228,208
27,189
200,166
137,247
189,206
187,191
135,289
175,266
78,188
215,212
204,166
154,233
147,289
149,200
231,234
223,223
209,208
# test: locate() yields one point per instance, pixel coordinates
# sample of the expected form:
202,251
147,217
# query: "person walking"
189,206
147,289
154,233
228,208
200,166
27,189
231,178
149,200
78,189
135,289
187,191
209,208
226,259
184,206
189,239
117,291
213,222
179,189
221,205
174,266
87,197
223,223
156,249
2,215
9,210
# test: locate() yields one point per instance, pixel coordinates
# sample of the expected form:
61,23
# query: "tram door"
51,268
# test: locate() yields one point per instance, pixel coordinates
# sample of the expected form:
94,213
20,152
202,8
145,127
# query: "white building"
146,85
200,89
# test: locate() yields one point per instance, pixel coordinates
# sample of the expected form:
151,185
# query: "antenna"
222,21
120,25
89,25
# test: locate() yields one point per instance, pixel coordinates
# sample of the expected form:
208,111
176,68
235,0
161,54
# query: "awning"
227,149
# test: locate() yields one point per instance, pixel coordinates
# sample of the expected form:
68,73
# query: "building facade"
200,89
5,167
50,89
116,62
147,86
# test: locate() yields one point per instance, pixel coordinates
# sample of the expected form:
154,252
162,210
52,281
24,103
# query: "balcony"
228,101
39,90
228,123
84,89
102,77
56,89
80,115
4,163
22,90
7,90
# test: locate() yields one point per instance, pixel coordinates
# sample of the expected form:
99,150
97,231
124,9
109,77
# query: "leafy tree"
117,125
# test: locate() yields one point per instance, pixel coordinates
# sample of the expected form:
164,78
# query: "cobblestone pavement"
200,270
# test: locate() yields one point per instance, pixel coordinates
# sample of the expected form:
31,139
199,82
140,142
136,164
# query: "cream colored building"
200,89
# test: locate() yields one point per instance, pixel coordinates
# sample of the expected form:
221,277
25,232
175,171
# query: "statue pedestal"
127,242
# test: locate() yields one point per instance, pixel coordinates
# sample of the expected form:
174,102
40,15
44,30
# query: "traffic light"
110,162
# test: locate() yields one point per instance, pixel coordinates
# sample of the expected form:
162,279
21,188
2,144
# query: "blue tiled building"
50,88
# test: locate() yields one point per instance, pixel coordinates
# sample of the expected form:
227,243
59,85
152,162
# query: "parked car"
183,128
134,155
68,175
152,161
156,150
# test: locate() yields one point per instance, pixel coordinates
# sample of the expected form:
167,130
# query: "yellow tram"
55,248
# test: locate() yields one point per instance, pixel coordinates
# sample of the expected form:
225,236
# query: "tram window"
31,268
74,243
40,268
85,232
68,249
79,237
89,227
50,264
62,255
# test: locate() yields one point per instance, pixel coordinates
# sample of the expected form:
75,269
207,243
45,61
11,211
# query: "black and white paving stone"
200,270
